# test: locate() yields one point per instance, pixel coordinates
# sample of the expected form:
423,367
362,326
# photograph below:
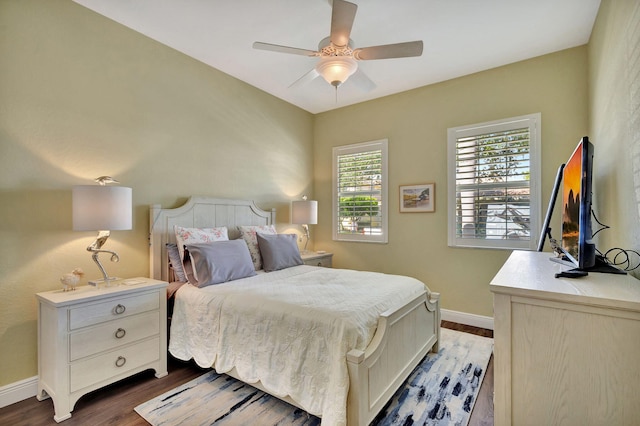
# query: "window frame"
534,123
363,147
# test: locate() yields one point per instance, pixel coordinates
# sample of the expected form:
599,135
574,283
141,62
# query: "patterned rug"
441,391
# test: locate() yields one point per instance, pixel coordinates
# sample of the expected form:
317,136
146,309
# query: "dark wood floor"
113,405
482,414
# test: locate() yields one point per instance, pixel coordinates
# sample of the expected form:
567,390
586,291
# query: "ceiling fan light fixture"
337,57
336,69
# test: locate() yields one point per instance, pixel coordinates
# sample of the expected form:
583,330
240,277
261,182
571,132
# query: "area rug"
441,391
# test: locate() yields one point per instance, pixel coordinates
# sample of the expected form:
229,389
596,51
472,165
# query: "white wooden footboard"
403,337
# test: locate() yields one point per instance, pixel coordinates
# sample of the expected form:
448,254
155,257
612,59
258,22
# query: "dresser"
91,337
317,259
566,350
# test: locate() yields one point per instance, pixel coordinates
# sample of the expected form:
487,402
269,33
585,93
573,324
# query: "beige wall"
416,124
81,97
614,117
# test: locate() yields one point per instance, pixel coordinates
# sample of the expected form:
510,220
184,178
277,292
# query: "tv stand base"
600,266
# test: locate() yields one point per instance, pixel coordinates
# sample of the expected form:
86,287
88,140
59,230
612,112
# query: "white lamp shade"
304,212
101,208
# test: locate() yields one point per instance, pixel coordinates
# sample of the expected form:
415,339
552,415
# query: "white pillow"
248,234
198,236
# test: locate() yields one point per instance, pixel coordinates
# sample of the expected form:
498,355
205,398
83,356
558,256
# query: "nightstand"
91,337
317,259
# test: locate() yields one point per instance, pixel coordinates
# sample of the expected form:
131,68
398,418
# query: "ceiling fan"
338,58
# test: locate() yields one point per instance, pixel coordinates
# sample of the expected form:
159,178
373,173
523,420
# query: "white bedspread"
289,329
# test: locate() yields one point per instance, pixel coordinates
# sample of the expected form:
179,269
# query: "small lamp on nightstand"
305,213
102,208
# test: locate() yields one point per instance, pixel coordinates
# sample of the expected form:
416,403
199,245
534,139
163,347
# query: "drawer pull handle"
120,333
319,263
121,361
119,309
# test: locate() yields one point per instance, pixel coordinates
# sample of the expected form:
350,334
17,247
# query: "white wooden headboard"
198,212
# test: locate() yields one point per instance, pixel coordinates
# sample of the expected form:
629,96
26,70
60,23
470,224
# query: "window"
494,180
360,192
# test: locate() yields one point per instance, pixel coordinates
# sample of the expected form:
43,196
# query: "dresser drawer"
106,310
103,367
113,334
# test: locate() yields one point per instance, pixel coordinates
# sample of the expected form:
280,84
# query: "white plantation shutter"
360,192
494,198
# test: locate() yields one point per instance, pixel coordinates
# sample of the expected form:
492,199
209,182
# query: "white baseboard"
18,391
467,319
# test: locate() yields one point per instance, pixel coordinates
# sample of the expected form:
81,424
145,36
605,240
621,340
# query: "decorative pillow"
248,234
278,251
197,236
176,262
189,270
220,261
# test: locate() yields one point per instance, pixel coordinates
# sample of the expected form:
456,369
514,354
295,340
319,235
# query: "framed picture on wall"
420,198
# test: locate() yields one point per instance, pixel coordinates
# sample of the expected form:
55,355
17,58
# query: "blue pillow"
220,261
176,262
278,251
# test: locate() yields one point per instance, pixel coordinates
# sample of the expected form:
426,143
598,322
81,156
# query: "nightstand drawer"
107,310
113,334
318,259
324,262
94,370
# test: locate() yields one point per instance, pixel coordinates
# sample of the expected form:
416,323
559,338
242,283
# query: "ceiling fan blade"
388,51
305,79
362,81
284,49
342,17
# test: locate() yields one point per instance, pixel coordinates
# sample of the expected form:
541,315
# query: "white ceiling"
460,37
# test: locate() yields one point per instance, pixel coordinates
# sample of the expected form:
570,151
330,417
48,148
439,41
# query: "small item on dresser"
572,273
321,252
70,280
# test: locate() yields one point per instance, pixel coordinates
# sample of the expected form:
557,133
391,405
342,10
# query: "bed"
378,347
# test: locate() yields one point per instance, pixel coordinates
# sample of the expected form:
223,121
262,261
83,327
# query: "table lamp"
104,209
304,212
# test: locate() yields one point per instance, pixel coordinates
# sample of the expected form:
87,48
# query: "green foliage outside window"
359,209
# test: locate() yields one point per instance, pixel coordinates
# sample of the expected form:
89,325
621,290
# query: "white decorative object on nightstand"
317,259
91,337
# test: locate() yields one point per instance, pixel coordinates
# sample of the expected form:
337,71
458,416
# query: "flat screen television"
577,243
